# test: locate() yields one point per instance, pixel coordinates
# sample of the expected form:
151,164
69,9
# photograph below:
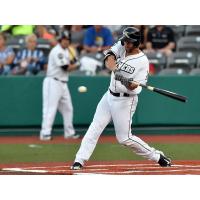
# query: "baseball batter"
56,94
119,103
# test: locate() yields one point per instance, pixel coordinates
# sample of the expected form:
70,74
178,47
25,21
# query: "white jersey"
135,67
57,58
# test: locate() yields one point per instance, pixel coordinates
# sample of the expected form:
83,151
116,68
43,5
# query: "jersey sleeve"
116,49
60,59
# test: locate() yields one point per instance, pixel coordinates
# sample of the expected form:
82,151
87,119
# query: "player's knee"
122,140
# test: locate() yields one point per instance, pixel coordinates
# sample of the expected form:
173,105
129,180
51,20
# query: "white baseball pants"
56,96
120,110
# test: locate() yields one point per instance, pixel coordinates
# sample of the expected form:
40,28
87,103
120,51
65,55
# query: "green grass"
12,153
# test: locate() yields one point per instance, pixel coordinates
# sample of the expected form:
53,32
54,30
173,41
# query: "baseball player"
119,103
56,94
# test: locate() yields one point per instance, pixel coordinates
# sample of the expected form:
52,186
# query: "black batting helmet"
131,34
64,35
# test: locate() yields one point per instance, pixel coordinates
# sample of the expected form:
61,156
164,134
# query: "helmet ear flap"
122,39
136,43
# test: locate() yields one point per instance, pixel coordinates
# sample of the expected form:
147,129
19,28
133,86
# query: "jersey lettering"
126,68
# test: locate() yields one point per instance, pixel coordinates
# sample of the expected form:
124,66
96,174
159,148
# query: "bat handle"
145,86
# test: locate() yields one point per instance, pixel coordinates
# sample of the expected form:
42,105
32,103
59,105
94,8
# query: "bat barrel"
170,94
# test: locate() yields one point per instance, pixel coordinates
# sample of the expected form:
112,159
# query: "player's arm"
110,60
111,55
71,67
62,62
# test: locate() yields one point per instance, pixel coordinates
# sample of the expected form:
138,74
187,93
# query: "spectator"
77,36
43,33
97,39
6,56
18,30
160,38
29,60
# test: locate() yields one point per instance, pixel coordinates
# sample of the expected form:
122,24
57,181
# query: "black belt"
119,94
59,80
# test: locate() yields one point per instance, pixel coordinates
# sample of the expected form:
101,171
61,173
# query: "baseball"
82,89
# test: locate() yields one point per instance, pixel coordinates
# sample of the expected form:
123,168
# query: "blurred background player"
127,63
56,94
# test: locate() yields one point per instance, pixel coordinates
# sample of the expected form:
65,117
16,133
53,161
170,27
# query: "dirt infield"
106,168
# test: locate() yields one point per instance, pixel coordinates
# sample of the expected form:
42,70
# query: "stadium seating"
198,61
192,30
172,71
189,44
16,42
179,31
184,60
195,72
158,60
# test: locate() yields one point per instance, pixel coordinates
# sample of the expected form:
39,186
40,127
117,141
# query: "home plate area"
107,168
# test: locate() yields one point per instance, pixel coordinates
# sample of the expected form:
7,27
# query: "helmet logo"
126,34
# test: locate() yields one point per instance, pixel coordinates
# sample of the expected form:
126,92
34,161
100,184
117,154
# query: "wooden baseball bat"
164,92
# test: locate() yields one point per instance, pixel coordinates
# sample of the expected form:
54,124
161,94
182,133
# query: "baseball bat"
164,92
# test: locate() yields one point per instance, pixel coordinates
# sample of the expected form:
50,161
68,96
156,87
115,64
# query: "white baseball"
82,89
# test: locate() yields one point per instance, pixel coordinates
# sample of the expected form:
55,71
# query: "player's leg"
122,112
66,109
101,119
51,96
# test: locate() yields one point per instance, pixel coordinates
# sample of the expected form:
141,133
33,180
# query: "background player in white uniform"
120,101
56,94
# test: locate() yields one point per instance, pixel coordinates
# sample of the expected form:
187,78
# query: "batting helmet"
131,34
64,35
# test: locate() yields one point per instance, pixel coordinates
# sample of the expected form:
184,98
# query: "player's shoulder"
137,59
141,55
55,50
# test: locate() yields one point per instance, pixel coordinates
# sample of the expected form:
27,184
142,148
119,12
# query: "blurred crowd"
24,49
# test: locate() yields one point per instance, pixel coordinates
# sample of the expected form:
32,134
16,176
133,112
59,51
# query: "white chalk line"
44,171
23,170
135,169
115,165
143,172
90,166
